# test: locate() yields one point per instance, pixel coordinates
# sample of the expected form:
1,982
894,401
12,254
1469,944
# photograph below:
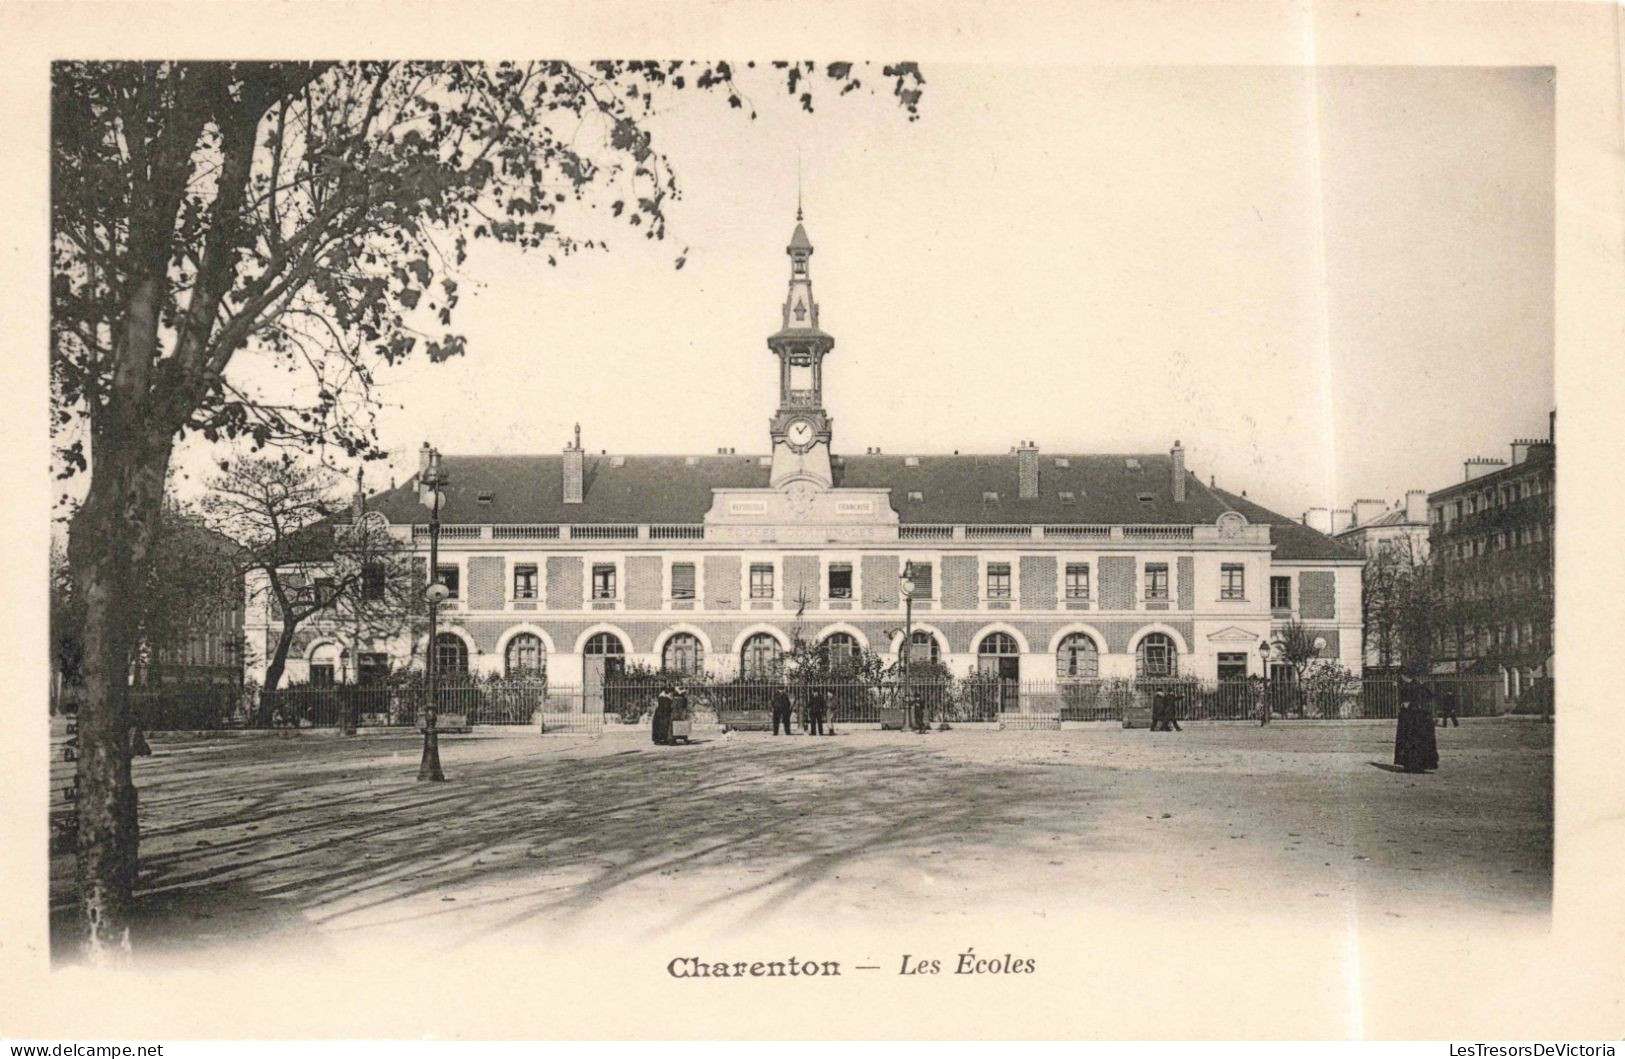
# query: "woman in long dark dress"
1416,745
662,718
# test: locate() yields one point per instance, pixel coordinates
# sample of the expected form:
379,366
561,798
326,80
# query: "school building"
1035,565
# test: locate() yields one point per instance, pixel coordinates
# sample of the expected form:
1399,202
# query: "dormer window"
486,498
1146,498
990,498
911,461
916,496
1062,461
1069,498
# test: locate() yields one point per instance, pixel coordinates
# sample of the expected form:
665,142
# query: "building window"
1078,658
1156,581
923,585
373,667
452,578
604,643
1232,581
373,581
1156,657
922,645
450,655
759,659
683,654
526,656
603,581
1232,665
840,580
1280,593
682,581
524,582
321,674
1077,580
324,590
842,650
998,580
761,581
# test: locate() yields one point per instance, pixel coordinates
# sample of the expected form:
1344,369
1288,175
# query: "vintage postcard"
791,521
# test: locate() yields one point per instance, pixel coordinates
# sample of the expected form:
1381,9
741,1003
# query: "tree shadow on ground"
346,839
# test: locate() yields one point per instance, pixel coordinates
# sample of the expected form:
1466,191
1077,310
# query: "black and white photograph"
905,540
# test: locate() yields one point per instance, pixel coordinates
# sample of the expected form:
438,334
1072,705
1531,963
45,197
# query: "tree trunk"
279,658
109,548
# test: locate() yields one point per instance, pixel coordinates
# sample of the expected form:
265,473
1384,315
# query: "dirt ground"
312,840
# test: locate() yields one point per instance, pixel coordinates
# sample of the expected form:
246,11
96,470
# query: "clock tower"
801,428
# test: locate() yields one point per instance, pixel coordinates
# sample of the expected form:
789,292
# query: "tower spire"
798,185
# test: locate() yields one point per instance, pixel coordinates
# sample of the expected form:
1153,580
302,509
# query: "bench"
452,723
745,720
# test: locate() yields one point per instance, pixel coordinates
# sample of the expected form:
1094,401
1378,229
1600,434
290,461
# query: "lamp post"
906,583
435,594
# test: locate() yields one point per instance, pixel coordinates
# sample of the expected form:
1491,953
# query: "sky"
1326,284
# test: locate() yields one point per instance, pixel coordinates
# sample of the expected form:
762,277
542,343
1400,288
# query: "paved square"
312,839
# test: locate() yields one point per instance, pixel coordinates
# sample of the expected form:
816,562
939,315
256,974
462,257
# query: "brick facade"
645,582
959,589
1118,574
801,580
486,588
1038,573
1186,576
879,577
1317,595
564,583
722,573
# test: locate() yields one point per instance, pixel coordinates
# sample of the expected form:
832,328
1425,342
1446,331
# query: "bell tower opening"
801,427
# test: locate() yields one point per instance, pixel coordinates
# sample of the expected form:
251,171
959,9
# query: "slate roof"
529,489
1105,490
1293,540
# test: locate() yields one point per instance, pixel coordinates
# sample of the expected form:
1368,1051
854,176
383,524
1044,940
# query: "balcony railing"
525,533
678,532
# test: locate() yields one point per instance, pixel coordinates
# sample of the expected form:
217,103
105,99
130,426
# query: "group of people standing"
671,703
816,713
1162,712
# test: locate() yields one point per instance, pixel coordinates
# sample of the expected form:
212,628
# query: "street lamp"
434,478
906,583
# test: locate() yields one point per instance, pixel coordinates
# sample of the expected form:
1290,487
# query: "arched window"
924,647
998,644
527,657
1078,658
605,643
683,654
450,655
842,648
1156,656
759,659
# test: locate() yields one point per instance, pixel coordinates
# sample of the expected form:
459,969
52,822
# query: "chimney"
1479,466
1027,471
423,460
1551,426
1178,455
575,462
1342,519
1416,505
1319,519
1365,510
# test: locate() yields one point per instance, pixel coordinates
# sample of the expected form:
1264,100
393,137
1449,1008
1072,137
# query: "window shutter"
922,581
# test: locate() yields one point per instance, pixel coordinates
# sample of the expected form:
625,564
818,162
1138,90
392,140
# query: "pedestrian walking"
781,711
817,706
1159,711
661,728
1449,707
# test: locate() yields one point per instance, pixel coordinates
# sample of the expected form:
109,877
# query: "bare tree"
311,558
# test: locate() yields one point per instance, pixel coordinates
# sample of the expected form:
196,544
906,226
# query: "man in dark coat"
781,710
662,718
1416,745
817,705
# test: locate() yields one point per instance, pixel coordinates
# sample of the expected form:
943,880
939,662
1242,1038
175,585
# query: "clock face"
800,434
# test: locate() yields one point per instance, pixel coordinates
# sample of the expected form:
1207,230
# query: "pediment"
1233,634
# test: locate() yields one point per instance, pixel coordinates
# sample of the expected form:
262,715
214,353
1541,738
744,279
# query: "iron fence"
747,703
